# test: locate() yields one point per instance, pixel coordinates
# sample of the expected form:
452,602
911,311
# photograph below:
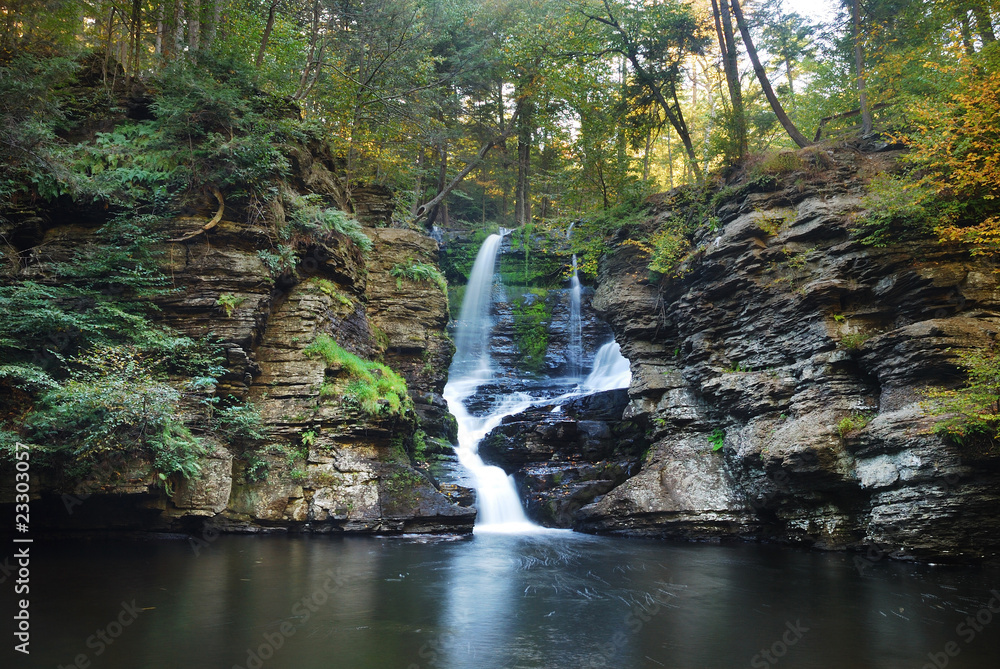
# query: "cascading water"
472,368
611,370
499,507
575,325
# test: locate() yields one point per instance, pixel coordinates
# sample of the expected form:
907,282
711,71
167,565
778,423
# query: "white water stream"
500,508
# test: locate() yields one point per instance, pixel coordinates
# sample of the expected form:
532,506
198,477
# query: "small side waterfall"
499,507
575,325
611,370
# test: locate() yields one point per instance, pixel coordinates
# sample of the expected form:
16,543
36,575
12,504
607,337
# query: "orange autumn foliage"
956,147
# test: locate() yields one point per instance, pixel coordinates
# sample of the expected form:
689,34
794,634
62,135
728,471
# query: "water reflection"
498,600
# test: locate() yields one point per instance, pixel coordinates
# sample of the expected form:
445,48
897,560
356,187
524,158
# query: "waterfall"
575,324
472,329
611,370
499,506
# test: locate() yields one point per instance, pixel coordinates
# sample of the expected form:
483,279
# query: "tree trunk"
158,46
859,63
418,186
213,27
730,64
435,210
786,122
522,191
670,159
984,23
132,66
962,16
194,27
268,27
179,28
647,156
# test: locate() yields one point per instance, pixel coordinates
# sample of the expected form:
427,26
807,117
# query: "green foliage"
717,439
30,158
779,163
114,404
372,387
258,462
897,209
738,368
420,446
853,423
215,127
27,376
670,245
854,340
973,411
308,215
418,271
230,303
97,298
240,422
280,261
326,286
531,329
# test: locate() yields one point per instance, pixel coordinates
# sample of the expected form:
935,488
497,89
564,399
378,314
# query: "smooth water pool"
553,601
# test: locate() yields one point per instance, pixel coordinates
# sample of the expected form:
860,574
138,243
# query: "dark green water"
496,601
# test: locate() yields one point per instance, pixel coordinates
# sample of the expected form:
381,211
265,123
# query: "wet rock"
563,459
770,338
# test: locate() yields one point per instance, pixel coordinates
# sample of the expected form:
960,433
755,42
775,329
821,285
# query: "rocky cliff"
779,327
322,459
780,376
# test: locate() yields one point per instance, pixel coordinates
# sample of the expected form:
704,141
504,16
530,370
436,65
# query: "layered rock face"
330,466
776,329
412,316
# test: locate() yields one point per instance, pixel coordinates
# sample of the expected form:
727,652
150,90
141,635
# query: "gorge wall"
326,464
777,328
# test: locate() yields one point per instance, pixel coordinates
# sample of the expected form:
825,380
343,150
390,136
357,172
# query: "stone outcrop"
778,327
563,456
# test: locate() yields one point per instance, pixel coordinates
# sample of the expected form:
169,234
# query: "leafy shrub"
240,422
531,329
780,163
30,160
854,341
670,246
954,147
418,271
114,404
308,215
974,410
283,259
856,421
373,387
230,303
895,209
717,439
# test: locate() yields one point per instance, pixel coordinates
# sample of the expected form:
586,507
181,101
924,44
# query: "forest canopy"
509,111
